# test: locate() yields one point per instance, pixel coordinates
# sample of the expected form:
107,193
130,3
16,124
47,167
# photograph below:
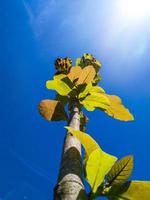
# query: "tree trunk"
69,185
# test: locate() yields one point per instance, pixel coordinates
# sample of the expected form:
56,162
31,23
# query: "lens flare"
134,9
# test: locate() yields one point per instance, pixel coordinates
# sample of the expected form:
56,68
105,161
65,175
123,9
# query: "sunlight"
134,9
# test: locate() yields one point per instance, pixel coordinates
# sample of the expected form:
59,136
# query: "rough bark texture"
70,186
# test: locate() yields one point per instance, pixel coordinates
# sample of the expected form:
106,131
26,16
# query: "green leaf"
59,85
97,162
121,171
131,190
117,110
87,75
63,99
52,110
95,100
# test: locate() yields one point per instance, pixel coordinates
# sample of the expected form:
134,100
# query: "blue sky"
33,34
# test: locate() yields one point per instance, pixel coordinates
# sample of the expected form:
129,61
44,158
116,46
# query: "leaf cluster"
80,84
108,176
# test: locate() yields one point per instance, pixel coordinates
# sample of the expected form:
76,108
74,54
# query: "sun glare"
134,9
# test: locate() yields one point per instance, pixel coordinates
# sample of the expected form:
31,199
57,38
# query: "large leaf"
87,75
74,73
117,109
90,89
52,110
121,171
97,165
131,190
95,100
97,162
96,89
62,86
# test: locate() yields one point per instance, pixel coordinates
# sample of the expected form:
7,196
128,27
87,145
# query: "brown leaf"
52,110
74,73
87,75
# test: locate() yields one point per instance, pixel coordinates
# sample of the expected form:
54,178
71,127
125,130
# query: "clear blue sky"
32,35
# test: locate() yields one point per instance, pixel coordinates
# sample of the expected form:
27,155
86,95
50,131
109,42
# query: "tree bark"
69,185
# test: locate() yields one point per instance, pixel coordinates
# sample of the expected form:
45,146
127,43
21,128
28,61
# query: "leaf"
89,89
63,99
78,61
95,100
52,110
117,110
121,171
84,90
97,165
74,73
86,140
97,79
96,89
59,76
97,162
87,75
59,85
138,190
131,190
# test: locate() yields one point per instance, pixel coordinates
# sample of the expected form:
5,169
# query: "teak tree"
77,88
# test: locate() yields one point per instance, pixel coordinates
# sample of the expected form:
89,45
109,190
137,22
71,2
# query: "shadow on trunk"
70,175
73,166
82,195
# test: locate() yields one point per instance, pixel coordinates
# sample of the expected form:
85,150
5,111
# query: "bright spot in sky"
134,9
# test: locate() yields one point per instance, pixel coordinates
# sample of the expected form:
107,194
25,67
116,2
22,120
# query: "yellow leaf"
59,76
90,89
138,190
117,110
97,165
60,86
96,89
87,75
131,190
97,162
52,110
95,100
74,73
86,140
121,171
